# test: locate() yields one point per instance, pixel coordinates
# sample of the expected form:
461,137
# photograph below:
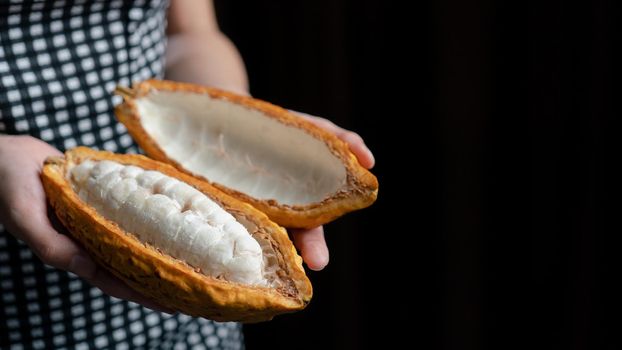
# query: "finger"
56,249
61,252
113,286
354,140
358,147
50,246
312,247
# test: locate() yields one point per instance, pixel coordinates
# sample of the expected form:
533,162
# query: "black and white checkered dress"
59,62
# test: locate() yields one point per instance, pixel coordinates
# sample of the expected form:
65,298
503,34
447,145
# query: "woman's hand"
311,243
23,211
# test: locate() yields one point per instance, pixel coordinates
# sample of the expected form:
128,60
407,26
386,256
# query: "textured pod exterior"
167,280
320,179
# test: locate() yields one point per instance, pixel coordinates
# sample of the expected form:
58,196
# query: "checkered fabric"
59,62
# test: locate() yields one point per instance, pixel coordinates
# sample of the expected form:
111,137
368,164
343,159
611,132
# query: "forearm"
207,58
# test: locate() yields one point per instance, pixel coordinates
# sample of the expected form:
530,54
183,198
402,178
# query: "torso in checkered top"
59,62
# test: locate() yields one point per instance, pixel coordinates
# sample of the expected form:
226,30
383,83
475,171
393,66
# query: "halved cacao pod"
176,239
297,173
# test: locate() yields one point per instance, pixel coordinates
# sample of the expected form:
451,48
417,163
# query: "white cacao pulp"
241,148
173,217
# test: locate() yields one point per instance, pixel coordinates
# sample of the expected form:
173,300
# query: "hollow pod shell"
297,173
139,219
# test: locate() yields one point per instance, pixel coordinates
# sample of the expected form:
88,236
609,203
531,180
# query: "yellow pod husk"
300,175
167,279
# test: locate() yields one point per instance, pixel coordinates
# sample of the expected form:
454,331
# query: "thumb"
61,252
55,249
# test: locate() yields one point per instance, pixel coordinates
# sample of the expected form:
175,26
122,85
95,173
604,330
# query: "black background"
497,203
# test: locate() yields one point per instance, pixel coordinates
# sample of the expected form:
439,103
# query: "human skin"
199,53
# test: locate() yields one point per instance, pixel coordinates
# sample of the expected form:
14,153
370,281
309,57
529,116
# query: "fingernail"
321,259
372,159
325,260
82,266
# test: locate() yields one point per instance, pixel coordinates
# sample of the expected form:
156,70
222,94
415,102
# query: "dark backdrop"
496,203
